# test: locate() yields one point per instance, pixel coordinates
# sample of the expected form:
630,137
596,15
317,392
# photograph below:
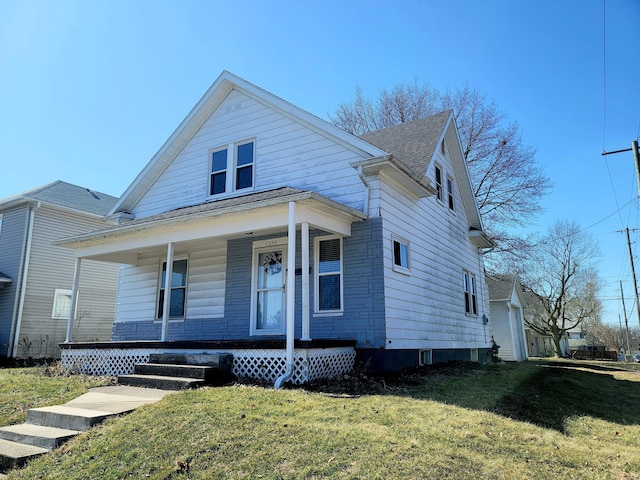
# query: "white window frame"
470,290
402,243
317,275
260,246
439,185
450,194
56,311
232,168
186,289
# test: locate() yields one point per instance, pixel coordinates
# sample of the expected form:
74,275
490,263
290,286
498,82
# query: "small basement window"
424,357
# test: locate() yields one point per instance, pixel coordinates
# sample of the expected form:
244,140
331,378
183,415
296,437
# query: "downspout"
290,297
23,285
366,189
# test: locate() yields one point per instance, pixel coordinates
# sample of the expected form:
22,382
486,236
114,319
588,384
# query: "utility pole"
633,273
636,159
626,319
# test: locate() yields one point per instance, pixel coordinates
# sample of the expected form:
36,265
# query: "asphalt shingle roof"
411,143
68,195
500,286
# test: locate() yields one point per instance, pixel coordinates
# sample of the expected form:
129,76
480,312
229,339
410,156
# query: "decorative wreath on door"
272,263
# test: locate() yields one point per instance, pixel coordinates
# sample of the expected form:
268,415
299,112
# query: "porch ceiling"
225,219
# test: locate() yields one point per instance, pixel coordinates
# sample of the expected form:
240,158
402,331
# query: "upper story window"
443,148
232,168
450,193
439,183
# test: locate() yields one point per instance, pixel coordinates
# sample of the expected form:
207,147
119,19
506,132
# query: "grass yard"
25,388
535,420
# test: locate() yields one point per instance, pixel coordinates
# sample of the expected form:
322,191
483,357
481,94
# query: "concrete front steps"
47,428
168,371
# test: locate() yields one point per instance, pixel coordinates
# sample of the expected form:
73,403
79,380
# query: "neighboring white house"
507,302
37,277
274,225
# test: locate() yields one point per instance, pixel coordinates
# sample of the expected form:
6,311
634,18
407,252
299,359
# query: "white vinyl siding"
137,295
425,310
52,268
286,153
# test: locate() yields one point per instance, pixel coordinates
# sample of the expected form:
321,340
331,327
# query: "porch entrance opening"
269,279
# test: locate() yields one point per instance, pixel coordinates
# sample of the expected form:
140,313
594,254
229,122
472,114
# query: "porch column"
291,282
305,281
74,296
166,305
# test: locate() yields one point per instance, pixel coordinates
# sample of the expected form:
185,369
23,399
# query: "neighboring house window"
61,303
450,193
328,268
400,254
439,183
232,168
470,296
178,289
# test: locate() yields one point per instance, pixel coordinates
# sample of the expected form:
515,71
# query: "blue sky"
90,90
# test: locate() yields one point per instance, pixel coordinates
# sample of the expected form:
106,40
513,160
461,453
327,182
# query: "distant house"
36,277
295,245
507,303
540,345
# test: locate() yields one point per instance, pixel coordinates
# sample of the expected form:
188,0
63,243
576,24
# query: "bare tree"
508,183
562,279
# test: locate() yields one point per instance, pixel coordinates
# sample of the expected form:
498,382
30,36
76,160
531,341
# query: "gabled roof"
67,195
501,288
210,101
412,143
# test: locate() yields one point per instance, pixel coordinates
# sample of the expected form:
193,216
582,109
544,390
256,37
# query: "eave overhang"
480,239
396,171
223,219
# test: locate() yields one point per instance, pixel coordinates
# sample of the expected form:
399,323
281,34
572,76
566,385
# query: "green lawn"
536,420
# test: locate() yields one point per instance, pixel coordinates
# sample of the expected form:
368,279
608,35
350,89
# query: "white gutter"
290,297
23,286
366,189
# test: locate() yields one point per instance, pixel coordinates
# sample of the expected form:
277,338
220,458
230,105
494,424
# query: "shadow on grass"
545,393
548,393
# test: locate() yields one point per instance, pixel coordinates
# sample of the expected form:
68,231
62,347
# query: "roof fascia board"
385,165
212,98
127,228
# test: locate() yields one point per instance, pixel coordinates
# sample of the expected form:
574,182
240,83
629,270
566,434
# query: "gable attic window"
439,183
450,193
231,168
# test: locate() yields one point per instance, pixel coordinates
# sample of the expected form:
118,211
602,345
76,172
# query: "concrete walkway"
47,428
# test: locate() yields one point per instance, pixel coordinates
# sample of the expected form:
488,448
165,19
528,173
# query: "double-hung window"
178,289
470,295
439,193
450,193
232,168
328,268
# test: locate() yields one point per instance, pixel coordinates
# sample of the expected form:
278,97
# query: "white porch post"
305,281
291,283
74,296
167,293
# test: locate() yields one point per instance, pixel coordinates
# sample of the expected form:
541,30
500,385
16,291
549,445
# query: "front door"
269,294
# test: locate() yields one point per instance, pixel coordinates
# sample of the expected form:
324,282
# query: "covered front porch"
247,308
